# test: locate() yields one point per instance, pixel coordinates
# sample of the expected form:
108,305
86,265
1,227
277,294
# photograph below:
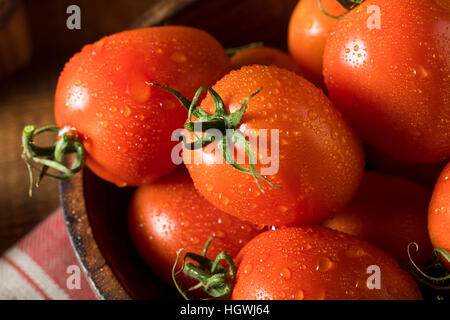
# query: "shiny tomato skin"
439,212
389,212
168,215
265,56
125,124
317,263
393,83
320,159
309,29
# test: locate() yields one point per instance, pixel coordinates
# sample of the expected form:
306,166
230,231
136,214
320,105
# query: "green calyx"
226,123
52,156
435,282
214,279
347,4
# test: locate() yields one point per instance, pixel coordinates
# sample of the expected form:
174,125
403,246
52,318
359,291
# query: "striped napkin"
43,266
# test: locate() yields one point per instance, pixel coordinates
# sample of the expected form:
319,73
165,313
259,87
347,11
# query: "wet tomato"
169,215
386,66
126,125
309,29
301,143
317,263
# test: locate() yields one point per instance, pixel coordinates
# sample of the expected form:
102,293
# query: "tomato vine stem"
51,156
438,283
226,123
215,280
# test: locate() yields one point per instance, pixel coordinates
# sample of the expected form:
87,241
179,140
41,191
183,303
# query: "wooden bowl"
95,211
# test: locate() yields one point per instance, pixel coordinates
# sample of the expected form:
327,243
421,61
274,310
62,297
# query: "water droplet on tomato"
178,57
195,240
126,111
286,273
225,200
97,47
247,269
168,104
138,89
299,295
324,264
355,252
312,115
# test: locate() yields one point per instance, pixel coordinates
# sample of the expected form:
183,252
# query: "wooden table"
25,98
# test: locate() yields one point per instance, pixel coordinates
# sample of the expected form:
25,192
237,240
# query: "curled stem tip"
438,283
41,159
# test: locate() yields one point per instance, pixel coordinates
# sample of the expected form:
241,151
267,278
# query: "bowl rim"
81,237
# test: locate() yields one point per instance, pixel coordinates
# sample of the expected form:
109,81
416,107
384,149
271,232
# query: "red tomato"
169,215
439,213
125,124
389,212
318,166
393,83
309,29
265,56
316,263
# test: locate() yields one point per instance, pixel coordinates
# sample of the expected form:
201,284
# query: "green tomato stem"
52,156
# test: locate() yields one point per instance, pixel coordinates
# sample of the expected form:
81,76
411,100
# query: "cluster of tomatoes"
319,226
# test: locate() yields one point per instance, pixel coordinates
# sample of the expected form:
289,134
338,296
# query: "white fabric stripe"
35,272
15,287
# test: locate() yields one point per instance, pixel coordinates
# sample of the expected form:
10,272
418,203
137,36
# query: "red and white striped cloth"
40,266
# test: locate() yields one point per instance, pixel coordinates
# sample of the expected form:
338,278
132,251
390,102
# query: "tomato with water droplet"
387,68
103,95
317,167
169,215
324,272
309,29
